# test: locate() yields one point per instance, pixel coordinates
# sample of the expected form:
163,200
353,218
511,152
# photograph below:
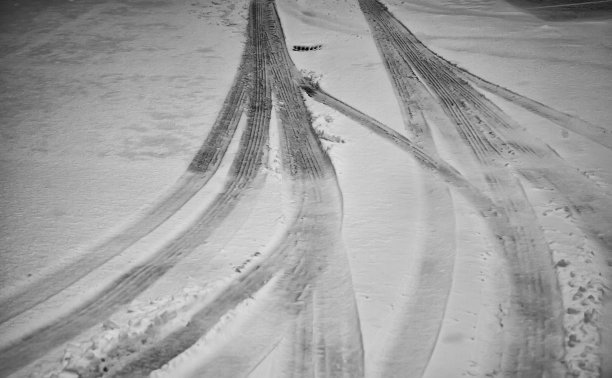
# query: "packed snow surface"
261,188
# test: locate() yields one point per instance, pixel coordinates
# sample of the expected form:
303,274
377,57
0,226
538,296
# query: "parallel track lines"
464,106
449,92
592,132
202,168
177,342
512,236
296,354
401,355
125,289
341,355
306,155
274,308
581,192
307,228
310,248
246,167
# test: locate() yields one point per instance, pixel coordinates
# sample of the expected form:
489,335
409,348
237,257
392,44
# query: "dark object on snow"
306,48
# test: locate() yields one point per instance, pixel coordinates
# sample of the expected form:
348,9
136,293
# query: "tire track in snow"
418,319
523,154
203,166
401,355
337,339
592,132
316,225
129,285
490,132
245,169
310,239
276,309
240,289
246,336
421,314
438,167
296,348
534,341
288,262
499,220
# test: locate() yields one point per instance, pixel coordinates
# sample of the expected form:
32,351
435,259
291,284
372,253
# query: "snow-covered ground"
104,104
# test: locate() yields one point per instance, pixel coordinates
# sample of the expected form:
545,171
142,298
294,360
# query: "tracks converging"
535,342
304,275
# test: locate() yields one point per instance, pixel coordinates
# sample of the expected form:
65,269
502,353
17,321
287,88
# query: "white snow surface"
103,105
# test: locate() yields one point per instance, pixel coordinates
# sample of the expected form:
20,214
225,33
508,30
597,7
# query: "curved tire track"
245,169
137,279
202,168
289,254
534,341
337,339
490,133
507,219
308,244
296,354
592,132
